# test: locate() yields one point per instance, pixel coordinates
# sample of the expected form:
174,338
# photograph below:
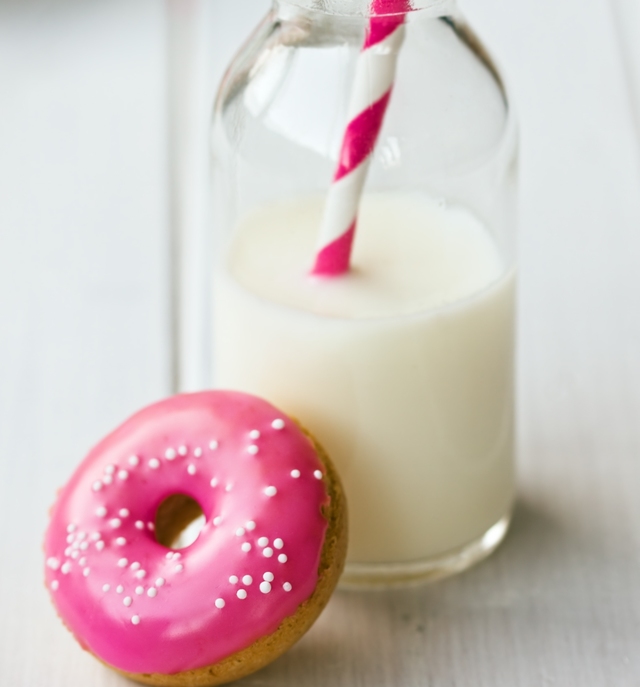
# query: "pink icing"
100,547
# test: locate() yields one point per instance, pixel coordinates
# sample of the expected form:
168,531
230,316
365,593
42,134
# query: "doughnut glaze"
143,608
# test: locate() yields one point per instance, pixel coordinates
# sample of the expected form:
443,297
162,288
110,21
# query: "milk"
403,369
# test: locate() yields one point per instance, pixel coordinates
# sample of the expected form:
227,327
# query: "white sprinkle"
107,479
121,541
268,577
141,574
53,563
95,536
278,543
191,469
197,452
182,450
247,579
268,552
179,567
233,579
54,585
66,568
81,536
110,469
265,587
135,620
139,524
282,558
152,592
101,511
254,434
127,601
100,545
217,520
229,487
67,551
154,463
295,474
219,603
123,512
170,454
250,525
263,541
252,449
122,563
139,590
97,485
71,528
75,554
214,482
239,531
160,582
115,523
278,424
151,526
84,546
119,589
106,587
123,474
246,546
169,555
86,572
82,562
213,445
241,593
317,474
270,491
287,586
175,555
134,460
70,538
135,565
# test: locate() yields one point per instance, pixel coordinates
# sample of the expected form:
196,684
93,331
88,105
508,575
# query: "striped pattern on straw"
375,75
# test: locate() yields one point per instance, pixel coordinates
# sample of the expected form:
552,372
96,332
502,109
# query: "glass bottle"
403,368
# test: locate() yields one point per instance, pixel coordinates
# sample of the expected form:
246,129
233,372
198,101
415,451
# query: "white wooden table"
85,213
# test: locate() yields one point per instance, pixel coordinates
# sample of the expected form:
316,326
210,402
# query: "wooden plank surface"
83,333
83,341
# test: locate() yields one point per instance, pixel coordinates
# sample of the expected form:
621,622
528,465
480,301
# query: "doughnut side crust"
268,648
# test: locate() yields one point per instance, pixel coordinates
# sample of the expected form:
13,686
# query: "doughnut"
263,566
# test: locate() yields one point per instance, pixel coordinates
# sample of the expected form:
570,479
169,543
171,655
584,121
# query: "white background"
89,190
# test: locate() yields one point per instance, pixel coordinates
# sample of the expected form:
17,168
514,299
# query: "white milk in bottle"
403,369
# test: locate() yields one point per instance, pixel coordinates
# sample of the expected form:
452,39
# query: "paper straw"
375,75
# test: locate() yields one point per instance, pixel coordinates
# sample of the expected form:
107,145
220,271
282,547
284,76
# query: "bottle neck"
363,8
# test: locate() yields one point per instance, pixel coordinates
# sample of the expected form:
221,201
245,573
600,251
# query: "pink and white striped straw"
375,75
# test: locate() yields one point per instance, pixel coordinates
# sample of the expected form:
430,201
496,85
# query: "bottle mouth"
367,8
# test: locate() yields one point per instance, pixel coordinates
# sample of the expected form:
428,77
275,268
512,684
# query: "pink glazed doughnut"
259,573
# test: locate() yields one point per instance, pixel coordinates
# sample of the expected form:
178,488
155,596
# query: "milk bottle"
385,122
403,369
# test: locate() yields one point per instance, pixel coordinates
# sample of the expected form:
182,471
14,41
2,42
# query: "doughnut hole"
179,521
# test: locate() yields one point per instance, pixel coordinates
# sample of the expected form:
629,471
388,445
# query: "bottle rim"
363,8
